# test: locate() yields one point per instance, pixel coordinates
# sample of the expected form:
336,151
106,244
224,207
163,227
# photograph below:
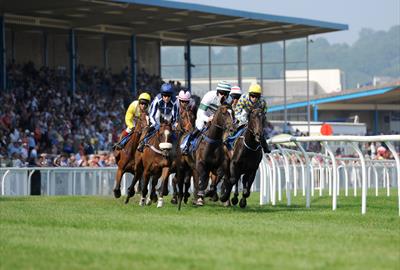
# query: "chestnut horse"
155,162
247,155
183,170
125,157
210,155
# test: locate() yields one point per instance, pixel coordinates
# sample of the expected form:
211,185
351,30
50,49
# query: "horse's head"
224,118
164,136
256,118
142,122
186,121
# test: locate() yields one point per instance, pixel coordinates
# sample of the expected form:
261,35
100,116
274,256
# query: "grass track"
103,233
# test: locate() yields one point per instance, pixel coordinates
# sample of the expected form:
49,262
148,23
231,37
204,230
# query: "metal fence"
287,169
293,168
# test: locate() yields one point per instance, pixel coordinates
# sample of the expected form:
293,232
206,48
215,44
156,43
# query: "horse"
247,155
125,157
210,156
155,162
183,171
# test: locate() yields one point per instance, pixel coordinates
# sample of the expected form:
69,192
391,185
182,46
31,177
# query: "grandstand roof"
164,20
366,99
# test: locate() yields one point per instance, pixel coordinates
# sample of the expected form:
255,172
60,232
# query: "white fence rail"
332,172
295,172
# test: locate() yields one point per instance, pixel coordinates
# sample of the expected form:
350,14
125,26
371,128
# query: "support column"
12,45
308,89
315,114
239,56
285,116
209,68
188,66
261,66
376,121
3,72
45,49
105,52
72,60
133,65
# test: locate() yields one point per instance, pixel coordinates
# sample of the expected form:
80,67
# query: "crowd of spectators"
42,124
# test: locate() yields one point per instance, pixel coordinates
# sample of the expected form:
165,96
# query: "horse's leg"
131,189
213,186
196,180
235,198
187,187
117,185
248,180
145,190
164,187
175,184
153,195
229,182
204,176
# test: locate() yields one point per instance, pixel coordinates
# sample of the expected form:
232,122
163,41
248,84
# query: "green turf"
103,233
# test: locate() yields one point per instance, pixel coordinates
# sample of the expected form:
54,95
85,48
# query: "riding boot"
265,146
120,145
143,142
192,136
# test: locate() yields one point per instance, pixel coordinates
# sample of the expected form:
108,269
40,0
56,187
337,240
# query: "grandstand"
69,69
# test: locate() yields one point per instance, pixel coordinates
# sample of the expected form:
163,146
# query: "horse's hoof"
148,201
209,193
174,200
225,197
127,200
185,199
153,197
160,203
242,203
234,200
117,193
227,203
214,198
142,201
200,202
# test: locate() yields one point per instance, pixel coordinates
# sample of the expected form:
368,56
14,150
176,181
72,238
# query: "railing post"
334,175
363,179
396,157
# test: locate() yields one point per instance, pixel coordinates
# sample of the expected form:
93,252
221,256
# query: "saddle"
194,144
230,141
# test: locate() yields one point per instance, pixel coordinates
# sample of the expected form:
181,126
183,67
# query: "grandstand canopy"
386,97
172,22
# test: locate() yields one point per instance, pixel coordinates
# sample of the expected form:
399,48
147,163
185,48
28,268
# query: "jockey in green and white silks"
207,108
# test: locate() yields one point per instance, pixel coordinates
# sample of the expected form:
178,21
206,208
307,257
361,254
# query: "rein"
248,147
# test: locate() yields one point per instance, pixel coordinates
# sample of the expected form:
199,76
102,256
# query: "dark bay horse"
125,157
155,162
210,155
182,166
247,155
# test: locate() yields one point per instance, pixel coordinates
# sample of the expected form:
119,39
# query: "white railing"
294,171
60,180
329,171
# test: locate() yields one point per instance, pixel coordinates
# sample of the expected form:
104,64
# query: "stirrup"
140,148
117,146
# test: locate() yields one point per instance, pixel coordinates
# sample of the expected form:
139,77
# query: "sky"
357,14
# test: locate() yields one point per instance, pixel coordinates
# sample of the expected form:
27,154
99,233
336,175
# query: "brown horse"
210,156
247,155
155,162
125,157
183,171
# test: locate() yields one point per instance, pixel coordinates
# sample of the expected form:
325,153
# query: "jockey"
135,109
208,106
247,102
235,94
185,100
163,107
